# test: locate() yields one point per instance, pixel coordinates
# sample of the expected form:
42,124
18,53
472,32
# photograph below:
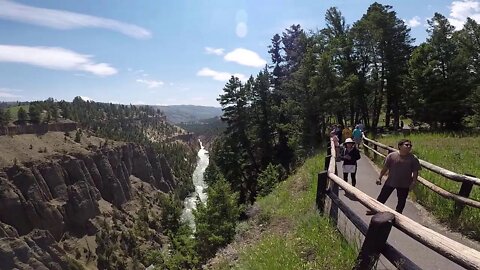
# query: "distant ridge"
189,113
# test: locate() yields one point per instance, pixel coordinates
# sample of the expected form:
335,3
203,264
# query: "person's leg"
385,193
354,178
382,197
402,194
345,176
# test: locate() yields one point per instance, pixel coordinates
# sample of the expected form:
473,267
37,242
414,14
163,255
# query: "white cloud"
413,22
6,93
245,57
54,58
218,75
60,19
139,102
461,10
151,83
85,98
216,51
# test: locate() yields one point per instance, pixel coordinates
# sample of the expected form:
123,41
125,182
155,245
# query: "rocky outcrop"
63,195
37,128
82,205
7,231
167,172
142,167
37,250
94,172
12,207
28,204
112,189
157,172
54,176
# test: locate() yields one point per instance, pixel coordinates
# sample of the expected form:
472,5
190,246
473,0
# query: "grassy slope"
458,154
287,232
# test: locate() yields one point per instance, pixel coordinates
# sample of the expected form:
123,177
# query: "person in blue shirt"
357,135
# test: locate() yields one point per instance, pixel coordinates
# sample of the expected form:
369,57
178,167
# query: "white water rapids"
190,202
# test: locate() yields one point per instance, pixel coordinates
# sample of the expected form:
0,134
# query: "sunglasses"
407,144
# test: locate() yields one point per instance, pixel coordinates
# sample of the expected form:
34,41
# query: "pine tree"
22,115
216,220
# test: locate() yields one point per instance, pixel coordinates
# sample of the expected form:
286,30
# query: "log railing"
375,241
467,181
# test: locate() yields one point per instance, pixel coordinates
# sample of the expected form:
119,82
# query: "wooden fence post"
374,153
465,190
365,149
321,190
327,162
375,240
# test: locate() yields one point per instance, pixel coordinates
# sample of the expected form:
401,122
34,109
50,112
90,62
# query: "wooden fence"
377,232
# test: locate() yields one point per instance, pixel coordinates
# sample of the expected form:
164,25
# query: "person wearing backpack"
349,156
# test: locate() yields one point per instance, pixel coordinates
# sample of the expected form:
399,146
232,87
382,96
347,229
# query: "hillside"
189,113
94,196
285,231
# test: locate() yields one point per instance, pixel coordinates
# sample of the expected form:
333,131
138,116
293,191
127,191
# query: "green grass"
295,236
14,111
458,153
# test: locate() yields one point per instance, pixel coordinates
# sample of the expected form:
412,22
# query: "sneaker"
370,213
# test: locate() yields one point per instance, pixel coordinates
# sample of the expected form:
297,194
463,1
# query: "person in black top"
350,155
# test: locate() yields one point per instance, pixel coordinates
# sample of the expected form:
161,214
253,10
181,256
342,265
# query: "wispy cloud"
151,83
54,58
216,51
413,22
7,93
60,19
461,10
245,57
219,75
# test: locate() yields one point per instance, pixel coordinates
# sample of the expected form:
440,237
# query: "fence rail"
374,244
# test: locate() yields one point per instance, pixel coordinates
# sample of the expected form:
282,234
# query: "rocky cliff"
41,202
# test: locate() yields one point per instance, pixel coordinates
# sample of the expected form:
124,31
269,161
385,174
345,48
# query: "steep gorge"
42,204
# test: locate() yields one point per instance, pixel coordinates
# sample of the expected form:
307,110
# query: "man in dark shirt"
402,169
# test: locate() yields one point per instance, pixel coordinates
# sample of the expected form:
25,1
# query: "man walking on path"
402,169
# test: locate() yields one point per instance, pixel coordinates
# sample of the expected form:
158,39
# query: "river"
190,202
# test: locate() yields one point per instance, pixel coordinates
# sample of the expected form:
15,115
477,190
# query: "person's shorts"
358,141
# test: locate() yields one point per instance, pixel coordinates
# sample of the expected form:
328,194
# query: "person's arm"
414,180
357,154
382,173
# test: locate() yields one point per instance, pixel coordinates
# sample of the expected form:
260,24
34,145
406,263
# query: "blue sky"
162,52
